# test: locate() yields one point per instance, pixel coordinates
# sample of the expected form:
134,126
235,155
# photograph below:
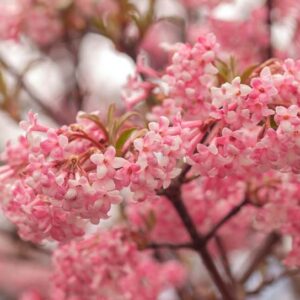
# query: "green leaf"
273,123
111,122
123,138
247,73
221,62
223,71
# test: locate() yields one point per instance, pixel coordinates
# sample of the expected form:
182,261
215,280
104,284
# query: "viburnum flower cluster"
68,175
203,159
111,260
235,142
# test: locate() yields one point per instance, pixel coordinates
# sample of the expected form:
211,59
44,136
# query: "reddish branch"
225,219
199,242
272,239
170,246
269,52
224,258
59,118
173,193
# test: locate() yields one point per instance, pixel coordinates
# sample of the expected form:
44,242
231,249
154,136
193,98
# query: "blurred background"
58,57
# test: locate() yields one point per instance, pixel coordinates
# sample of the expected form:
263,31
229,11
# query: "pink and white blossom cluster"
108,266
57,179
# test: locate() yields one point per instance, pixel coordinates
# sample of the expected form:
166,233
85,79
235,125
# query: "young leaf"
97,121
247,73
125,117
123,138
111,114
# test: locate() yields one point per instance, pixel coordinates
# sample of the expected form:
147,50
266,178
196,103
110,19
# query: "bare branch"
225,219
224,258
170,246
269,52
57,117
173,193
272,239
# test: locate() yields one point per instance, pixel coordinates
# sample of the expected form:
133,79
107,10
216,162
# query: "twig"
173,193
54,115
170,246
24,250
224,258
269,52
272,239
191,178
225,219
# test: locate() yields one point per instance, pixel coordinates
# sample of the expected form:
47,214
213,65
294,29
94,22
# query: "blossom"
60,180
158,155
191,74
107,266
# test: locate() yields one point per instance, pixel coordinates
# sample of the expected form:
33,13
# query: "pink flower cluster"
158,155
256,125
108,266
240,46
191,74
221,133
62,178
55,179
235,133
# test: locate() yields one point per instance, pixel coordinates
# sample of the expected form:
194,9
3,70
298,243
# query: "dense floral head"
109,266
73,174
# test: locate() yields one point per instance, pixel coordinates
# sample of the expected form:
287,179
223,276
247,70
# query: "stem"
24,249
86,137
269,51
75,91
169,246
54,115
225,219
272,239
173,193
224,258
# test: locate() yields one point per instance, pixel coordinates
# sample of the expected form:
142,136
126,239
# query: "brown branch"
73,46
261,253
57,117
170,246
25,249
224,258
173,193
225,219
269,51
